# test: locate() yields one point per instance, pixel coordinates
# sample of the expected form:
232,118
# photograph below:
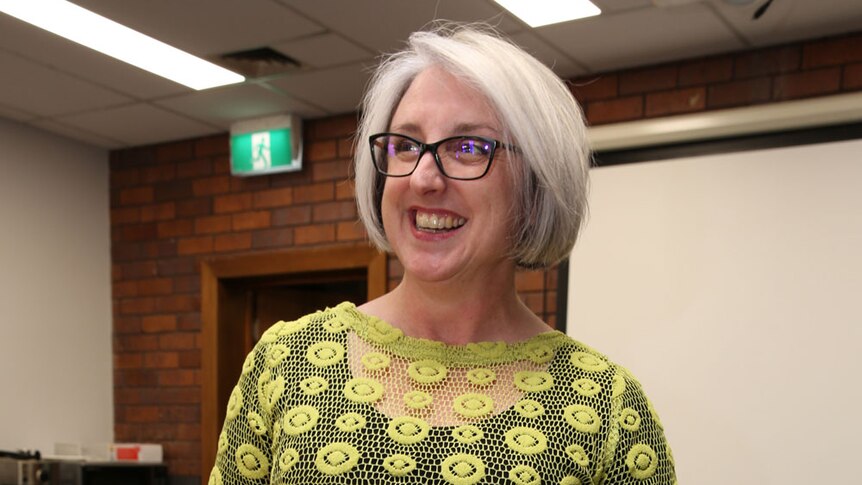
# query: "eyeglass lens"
460,157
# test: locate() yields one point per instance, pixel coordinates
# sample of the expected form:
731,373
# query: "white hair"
539,116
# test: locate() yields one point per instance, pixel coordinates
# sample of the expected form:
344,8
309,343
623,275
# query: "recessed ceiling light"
108,37
537,13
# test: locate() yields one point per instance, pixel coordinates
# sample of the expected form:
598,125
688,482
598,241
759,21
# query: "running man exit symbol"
261,156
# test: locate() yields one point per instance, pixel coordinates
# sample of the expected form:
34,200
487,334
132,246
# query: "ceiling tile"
208,27
552,57
792,21
82,62
384,25
138,124
11,113
223,106
323,50
337,90
38,89
609,6
642,37
77,134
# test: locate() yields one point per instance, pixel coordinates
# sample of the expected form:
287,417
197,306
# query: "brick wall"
176,203
801,70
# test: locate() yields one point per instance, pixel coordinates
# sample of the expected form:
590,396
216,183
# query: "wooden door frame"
214,330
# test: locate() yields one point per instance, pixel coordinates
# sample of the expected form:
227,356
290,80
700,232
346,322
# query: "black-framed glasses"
458,157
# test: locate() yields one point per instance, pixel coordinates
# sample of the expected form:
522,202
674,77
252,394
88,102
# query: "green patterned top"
342,397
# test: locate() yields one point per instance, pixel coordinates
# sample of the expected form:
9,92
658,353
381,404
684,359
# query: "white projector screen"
731,285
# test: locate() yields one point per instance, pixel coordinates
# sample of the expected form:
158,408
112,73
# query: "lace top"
342,397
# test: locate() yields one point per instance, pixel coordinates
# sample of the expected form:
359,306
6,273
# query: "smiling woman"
471,163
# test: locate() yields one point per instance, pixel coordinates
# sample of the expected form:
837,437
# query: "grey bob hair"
538,113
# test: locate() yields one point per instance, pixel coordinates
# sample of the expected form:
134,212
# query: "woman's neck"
486,309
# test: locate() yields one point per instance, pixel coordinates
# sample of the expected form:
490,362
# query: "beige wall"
730,284
55,294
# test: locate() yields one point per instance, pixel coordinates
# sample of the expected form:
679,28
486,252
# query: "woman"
470,163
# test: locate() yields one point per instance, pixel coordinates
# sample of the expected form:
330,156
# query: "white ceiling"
59,86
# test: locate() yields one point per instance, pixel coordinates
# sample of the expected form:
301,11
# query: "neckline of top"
539,349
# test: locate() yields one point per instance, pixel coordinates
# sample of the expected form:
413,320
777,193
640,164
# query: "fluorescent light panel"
118,41
537,13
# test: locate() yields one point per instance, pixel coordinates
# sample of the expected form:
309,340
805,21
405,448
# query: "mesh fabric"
342,397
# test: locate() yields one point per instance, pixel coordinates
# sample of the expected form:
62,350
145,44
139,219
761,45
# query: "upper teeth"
436,221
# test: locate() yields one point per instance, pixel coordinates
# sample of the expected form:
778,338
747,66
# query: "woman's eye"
470,146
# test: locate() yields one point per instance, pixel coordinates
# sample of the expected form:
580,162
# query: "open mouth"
436,222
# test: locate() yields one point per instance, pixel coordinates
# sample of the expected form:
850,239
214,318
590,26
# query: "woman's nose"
427,176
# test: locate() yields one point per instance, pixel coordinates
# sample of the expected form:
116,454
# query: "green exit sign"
265,146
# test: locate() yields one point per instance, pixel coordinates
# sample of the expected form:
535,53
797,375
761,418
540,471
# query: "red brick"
526,281
123,289
154,286
767,61
272,238
604,86
137,306
177,303
249,184
337,170
172,152
195,245
314,193
832,52
136,343
291,216
159,323
212,224
126,360
194,207
221,164
251,220
142,414
807,83
551,301
232,203
649,79
190,321
190,359
137,196
138,232
170,267
219,184
614,110
195,168
161,360
232,242
345,148
158,173
121,178
174,190
706,71
126,215
187,283
320,150
852,77
320,233
273,198
175,228
135,377
675,102
158,212
182,414
739,93
333,127
334,211
177,377
212,145
160,249
177,341
344,190
350,231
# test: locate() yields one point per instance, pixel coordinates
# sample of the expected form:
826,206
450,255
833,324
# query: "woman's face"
437,105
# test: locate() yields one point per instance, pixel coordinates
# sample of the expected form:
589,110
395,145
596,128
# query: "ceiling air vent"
256,63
